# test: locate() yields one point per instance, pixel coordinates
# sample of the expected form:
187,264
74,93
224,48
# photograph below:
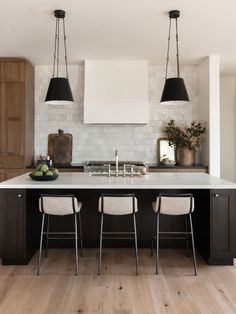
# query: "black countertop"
73,165
160,166
151,166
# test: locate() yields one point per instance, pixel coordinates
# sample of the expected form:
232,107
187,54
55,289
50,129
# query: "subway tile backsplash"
98,142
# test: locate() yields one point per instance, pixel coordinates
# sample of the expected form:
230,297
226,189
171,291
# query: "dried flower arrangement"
184,136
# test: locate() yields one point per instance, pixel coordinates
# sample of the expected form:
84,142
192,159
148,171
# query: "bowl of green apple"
44,173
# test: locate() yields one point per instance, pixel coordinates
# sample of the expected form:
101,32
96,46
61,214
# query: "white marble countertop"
79,180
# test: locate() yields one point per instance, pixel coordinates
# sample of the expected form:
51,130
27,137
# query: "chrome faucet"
109,170
117,162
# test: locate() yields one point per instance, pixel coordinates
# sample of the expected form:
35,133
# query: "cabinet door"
12,173
14,111
3,175
2,119
6,174
19,226
12,162
223,221
12,71
13,242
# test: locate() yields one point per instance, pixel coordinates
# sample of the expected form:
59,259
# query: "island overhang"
71,180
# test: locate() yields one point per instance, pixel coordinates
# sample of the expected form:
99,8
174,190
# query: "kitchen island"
214,216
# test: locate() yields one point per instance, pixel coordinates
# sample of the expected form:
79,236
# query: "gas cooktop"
112,163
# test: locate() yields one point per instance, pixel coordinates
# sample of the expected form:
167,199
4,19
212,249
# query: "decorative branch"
184,136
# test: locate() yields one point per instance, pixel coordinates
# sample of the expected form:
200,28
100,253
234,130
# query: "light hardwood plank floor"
118,290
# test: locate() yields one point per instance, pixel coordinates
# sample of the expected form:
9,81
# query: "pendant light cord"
168,50
57,48
58,43
64,31
177,46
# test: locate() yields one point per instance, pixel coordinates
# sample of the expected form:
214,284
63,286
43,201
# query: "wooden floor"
118,290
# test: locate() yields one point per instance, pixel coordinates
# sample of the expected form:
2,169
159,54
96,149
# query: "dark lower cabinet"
214,222
16,246
223,226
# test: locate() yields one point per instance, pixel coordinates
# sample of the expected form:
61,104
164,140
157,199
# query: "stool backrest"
59,205
175,204
118,204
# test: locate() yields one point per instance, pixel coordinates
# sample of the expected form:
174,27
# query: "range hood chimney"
116,92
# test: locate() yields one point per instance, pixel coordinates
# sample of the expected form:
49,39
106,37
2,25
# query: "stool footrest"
118,238
58,232
174,232
62,238
170,238
114,232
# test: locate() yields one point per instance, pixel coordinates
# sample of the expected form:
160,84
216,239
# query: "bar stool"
60,205
173,204
118,204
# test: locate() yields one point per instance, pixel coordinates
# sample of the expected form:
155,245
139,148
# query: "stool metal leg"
193,246
136,244
41,244
100,247
153,230
76,245
46,246
187,238
157,239
81,237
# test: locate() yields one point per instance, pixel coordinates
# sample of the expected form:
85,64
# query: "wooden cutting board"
60,147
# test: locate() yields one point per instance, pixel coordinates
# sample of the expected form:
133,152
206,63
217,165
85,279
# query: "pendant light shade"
59,91
174,87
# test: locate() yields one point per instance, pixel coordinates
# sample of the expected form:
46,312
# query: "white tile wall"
95,142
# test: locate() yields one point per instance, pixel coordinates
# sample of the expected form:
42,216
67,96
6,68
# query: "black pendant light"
59,91
174,88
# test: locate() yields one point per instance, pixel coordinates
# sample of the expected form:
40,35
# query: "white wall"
94,142
227,126
209,110
203,110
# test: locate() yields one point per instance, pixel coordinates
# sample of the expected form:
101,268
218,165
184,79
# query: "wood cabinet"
11,162
16,115
3,175
13,140
12,70
6,174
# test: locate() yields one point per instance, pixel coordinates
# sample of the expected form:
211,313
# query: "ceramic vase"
186,157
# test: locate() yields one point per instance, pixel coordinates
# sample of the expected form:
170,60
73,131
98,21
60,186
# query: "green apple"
49,173
54,170
42,167
37,173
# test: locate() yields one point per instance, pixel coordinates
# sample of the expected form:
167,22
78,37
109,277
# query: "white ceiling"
121,29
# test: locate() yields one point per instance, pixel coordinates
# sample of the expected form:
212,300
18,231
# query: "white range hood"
116,92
